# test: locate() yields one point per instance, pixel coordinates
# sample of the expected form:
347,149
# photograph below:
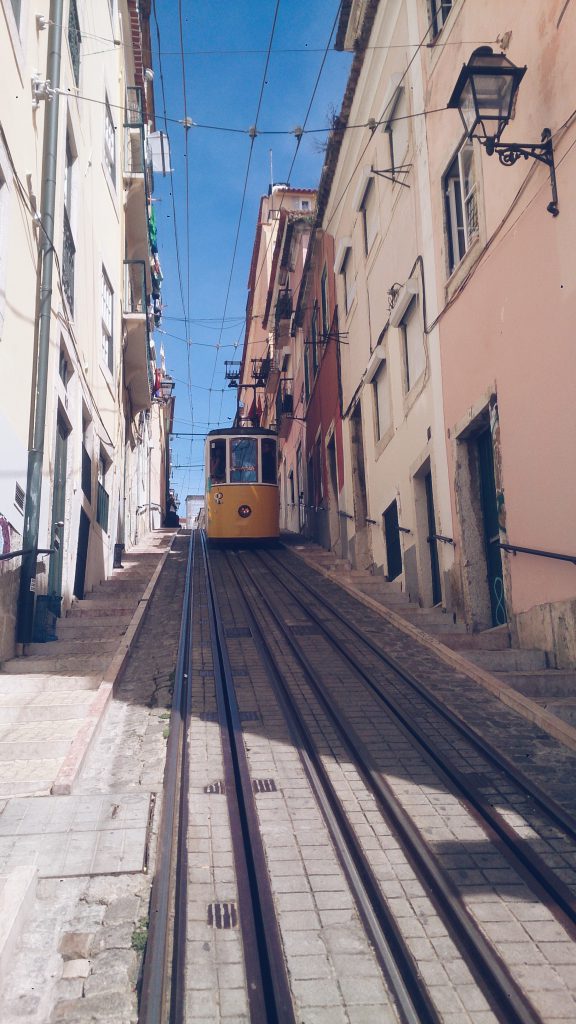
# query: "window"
68,247
461,204
107,322
348,279
16,7
109,142
268,461
243,460
63,366
314,340
74,40
382,407
369,211
439,11
217,462
413,338
324,304
397,127
305,205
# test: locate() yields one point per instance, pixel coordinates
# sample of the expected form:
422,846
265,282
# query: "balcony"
284,304
135,176
68,259
137,372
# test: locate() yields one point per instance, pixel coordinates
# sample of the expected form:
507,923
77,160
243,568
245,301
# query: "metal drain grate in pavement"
215,787
235,632
305,630
264,786
222,915
209,716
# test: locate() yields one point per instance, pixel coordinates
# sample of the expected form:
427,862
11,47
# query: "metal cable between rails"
268,987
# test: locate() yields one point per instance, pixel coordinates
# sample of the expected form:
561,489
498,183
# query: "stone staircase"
46,696
527,671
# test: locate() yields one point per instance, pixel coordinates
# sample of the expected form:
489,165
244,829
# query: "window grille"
74,40
68,260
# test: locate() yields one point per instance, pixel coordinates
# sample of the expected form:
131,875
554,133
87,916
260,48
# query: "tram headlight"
244,511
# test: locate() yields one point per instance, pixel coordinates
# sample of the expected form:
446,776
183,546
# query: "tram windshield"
218,461
243,460
268,461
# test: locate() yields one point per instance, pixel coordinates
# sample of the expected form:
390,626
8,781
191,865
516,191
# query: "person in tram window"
218,462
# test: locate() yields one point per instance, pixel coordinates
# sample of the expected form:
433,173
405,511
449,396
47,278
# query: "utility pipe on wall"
26,601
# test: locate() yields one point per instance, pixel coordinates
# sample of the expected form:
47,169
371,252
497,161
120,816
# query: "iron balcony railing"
68,259
134,154
86,474
261,371
74,40
102,503
135,298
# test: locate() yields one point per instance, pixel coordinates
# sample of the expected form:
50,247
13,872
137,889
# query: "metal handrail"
345,515
403,529
26,551
440,537
515,548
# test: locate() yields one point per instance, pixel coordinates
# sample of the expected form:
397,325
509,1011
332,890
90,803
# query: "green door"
489,508
58,511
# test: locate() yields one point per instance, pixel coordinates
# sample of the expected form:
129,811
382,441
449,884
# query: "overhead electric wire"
252,139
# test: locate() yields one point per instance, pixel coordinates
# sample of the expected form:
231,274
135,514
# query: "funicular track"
278,607
265,604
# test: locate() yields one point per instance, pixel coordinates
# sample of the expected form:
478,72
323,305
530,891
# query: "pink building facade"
506,307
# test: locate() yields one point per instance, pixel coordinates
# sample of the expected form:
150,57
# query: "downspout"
26,603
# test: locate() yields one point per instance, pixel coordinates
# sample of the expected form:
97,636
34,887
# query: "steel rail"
549,888
269,993
499,987
550,807
391,949
162,992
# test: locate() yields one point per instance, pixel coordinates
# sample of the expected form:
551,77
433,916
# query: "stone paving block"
76,945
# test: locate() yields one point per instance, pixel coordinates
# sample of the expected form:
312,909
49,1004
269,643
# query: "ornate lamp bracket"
509,153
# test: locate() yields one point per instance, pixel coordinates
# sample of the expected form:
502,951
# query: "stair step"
80,645
508,661
70,665
486,641
551,684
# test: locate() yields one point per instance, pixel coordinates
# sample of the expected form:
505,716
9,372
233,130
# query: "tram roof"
242,432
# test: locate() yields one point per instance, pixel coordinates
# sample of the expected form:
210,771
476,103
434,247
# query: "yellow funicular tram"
242,501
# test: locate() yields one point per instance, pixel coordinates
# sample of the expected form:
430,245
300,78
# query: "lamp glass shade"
493,100
485,94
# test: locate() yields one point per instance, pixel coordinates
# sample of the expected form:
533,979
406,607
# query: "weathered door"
491,526
58,512
432,542
82,554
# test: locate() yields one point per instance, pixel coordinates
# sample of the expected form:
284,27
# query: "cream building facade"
102,482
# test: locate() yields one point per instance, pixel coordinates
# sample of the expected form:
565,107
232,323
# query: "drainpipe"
26,603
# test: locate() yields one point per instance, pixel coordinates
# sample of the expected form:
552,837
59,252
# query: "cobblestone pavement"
80,955
82,947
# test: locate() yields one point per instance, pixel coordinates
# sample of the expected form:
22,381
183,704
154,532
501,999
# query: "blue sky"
225,44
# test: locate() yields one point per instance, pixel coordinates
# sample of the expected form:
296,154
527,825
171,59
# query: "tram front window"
243,461
268,461
218,462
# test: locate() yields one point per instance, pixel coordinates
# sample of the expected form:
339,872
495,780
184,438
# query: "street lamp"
485,97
